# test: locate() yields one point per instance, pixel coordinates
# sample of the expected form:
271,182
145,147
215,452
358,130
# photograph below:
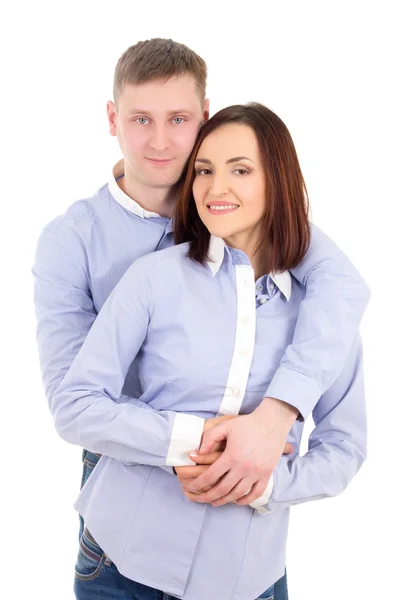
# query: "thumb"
204,459
213,435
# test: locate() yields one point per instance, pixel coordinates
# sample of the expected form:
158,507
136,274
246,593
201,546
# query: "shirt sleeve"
65,315
328,321
337,446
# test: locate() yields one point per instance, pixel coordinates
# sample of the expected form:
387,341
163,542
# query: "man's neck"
160,200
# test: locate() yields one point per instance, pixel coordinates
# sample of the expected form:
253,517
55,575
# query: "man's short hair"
159,58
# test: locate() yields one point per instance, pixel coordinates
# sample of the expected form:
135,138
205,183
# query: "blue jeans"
97,578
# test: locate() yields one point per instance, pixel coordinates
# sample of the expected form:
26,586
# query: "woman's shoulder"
168,260
173,258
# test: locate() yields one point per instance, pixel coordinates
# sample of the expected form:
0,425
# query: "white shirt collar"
216,252
122,198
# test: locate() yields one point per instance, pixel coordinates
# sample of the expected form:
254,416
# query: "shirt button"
259,287
263,300
272,287
244,352
246,320
235,392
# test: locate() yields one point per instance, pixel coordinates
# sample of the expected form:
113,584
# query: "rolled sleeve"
303,391
260,504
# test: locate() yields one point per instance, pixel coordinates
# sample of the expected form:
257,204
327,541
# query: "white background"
329,69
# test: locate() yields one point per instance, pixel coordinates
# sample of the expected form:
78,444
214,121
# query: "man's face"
156,124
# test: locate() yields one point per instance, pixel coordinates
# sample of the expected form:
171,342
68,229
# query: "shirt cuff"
260,503
296,389
186,435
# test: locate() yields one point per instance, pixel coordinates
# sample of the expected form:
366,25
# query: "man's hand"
254,444
209,424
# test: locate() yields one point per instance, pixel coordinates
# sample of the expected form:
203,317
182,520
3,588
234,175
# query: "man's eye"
142,120
178,120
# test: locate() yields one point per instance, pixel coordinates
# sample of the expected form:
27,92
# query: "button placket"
244,342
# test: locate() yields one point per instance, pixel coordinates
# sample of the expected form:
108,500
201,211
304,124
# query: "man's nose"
159,140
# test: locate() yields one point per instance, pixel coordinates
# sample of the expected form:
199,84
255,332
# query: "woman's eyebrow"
230,160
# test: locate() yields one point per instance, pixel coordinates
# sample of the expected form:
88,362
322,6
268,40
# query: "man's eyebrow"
142,111
187,111
231,160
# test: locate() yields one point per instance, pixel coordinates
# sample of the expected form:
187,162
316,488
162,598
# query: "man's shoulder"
81,213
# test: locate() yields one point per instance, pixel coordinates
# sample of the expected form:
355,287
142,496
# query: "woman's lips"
221,208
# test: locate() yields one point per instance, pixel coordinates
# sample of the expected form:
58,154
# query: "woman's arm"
85,407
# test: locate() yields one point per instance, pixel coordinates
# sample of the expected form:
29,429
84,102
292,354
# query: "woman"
207,343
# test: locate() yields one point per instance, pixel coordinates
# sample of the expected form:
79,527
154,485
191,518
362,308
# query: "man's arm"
337,449
337,446
327,324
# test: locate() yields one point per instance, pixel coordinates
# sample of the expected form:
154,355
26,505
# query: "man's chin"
163,182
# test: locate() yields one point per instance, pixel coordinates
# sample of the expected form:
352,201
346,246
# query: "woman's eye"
142,120
178,120
241,171
203,172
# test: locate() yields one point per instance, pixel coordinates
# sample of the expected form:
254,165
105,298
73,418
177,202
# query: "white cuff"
260,503
186,435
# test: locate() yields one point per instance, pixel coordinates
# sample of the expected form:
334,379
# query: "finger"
204,459
239,491
212,475
222,488
193,474
189,472
216,434
256,492
186,487
188,482
288,449
192,497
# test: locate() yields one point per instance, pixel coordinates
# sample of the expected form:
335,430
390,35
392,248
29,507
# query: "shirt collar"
122,198
216,252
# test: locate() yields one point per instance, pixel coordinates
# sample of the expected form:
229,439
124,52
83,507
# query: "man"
159,105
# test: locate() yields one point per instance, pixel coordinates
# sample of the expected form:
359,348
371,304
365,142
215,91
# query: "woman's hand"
187,474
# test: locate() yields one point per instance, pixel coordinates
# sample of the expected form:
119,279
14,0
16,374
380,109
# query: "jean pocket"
91,558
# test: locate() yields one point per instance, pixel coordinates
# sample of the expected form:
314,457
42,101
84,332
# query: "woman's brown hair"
286,227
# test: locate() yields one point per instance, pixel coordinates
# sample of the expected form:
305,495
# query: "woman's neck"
259,257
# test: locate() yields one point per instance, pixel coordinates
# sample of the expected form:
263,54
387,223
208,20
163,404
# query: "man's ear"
112,116
206,114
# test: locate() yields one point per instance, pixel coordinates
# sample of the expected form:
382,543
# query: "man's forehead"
176,94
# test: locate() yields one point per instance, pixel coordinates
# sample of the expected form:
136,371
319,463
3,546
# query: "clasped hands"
238,455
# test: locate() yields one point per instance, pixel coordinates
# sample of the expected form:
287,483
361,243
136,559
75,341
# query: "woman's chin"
221,231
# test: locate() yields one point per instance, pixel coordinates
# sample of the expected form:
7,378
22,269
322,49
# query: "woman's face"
229,185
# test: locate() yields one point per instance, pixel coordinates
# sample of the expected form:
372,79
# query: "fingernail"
194,454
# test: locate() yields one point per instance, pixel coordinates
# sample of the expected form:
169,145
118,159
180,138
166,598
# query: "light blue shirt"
82,255
195,331
80,258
